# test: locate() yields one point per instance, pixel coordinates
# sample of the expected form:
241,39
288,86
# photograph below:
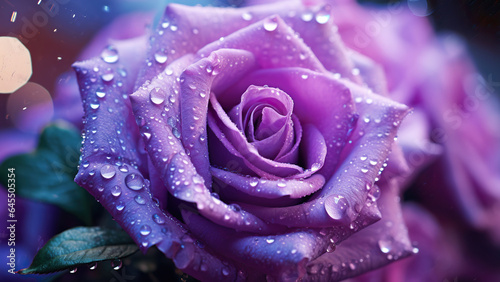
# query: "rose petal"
270,189
373,247
186,29
280,256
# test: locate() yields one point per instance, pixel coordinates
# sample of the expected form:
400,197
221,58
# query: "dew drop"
160,57
134,181
145,230
100,92
74,270
254,182
110,54
235,207
336,206
116,191
140,200
94,106
385,245
107,171
157,96
270,240
304,76
323,15
307,17
271,24
247,16
123,168
120,206
225,271
108,76
172,98
158,219
85,163
375,194
93,266
315,167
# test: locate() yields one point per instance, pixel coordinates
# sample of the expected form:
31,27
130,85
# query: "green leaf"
47,174
81,245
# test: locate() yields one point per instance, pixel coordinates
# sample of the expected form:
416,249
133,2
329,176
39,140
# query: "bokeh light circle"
15,64
30,108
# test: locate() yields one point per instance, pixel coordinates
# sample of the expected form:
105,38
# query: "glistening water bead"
134,181
110,54
108,172
157,96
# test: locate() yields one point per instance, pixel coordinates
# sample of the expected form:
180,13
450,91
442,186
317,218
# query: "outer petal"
187,29
282,256
375,246
112,170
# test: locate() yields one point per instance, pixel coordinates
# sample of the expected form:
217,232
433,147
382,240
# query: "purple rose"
245,144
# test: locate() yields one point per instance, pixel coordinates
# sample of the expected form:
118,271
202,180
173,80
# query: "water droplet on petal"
108,171
93,266
336,206
247,16
116,190
109,54
307,17
120,206
157,96
270,240
145,230
74,270
108,76
315,167
254,182
323,15
160,57
385,245
271,24
94,106
100,92
140,200
134,181
158,219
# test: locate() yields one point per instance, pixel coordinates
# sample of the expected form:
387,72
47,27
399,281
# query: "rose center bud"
264,116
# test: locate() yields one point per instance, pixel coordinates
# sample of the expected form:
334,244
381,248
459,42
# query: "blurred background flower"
55,33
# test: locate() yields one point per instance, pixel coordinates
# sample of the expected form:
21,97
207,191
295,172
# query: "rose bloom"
248,143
